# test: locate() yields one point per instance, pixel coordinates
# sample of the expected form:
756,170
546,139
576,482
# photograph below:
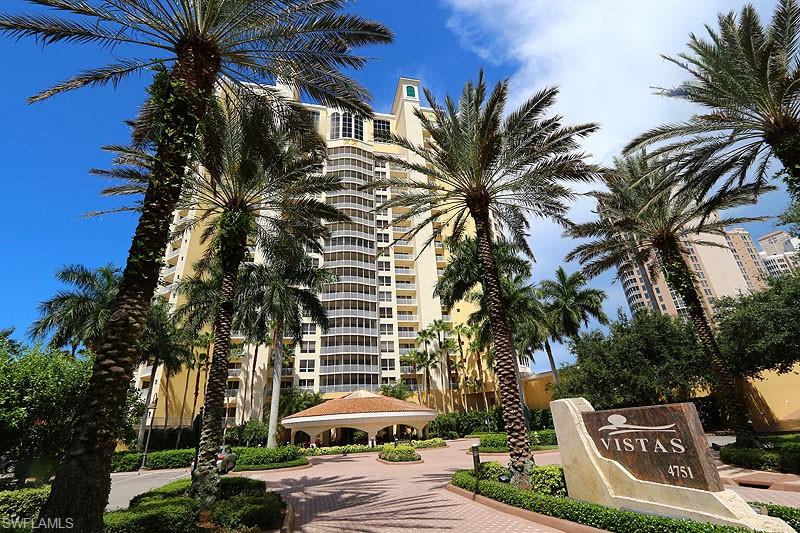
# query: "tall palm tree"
641,224
462,332
77,316
413,357
196,45
261,183
254,321
287,288
492,170
198,361
569,303
744,78
440,328
426,359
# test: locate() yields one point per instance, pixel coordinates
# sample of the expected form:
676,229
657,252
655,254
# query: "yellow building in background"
383,298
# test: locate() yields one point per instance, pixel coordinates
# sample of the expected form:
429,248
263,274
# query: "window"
384,281
233,385
387,365
381,131
308,347
387,346
387,329
335,123
358,128
307,365
384,266
309,329
306,383
315,119
230,412
411,92
386,312
347,125
384,296
383,237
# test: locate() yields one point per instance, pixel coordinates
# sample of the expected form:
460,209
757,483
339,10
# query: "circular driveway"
356,493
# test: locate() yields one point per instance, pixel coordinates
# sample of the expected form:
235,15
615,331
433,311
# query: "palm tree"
77,316
195,45
462,332
568,304
413,357
255,323
167,344
263,176
426,360
287,289
492,170
198,361
439,328
640,224
744,77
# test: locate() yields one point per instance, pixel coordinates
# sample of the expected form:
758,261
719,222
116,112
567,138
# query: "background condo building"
737,268
383,297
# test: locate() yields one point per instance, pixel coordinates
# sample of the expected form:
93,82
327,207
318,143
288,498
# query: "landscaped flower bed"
782,456
364,448
248,458
399,454
547,497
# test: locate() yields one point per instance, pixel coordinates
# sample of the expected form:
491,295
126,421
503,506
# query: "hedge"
363,448
263,512
584,513
176,515
398,454
776,460
498,442
265,456
228,487
23,503
272,466
790,515
453,425
547,479
430,443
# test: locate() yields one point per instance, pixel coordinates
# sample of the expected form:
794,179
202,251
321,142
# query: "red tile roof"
360,402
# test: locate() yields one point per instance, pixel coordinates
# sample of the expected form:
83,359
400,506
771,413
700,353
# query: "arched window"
358,127
347,125
335,126
410,91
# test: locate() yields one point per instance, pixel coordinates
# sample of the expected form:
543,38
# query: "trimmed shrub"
584,513
774,460
23,503
265,456
360,437
790,515
399,454
544,437
492,470
549,480
167,438
494,441
454,425
170,459
338,450
263,512
498,442
241,486
272,466
125,461
176,515
429,443
228,487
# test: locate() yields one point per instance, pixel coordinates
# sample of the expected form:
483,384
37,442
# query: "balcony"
172,254
287,371
329,296
413,387
406,318
446,317
348,388
404,271
403,257
407,369
234,372
352,313
406,334
402,285
406,301
350,248
231,394
350,330
403,242
338,369
348,349
349,263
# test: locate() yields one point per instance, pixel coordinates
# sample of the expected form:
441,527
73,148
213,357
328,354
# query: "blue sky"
605,72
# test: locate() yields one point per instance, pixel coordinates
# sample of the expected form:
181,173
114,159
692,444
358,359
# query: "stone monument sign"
661,443
651,459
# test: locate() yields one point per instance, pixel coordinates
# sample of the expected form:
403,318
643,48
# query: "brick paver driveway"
357,493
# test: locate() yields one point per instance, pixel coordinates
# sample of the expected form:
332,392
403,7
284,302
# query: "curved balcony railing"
348,349
341,369
349,263
353,331
352,312
352,233
350,248
348,388
328,296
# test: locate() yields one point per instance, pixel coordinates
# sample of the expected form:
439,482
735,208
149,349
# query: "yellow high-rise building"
384,295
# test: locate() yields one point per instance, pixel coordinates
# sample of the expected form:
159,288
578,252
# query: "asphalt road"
126,485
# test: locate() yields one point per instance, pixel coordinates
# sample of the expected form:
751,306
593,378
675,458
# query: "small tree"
649,359
398,390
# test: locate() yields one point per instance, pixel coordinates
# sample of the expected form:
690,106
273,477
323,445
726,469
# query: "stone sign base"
596,479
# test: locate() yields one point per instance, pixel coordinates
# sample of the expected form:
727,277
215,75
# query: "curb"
738,482
288,519
541,519
500,454
285,469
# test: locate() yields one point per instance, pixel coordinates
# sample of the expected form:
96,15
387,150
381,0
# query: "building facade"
382,299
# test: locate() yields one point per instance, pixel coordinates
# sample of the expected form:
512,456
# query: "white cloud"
605,55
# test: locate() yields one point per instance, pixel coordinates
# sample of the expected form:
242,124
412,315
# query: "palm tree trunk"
505,358
83,481
550,358
680,278
166,397
183,405
274,401
143,423
253,379
206,479
419,392
479,364
194,402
